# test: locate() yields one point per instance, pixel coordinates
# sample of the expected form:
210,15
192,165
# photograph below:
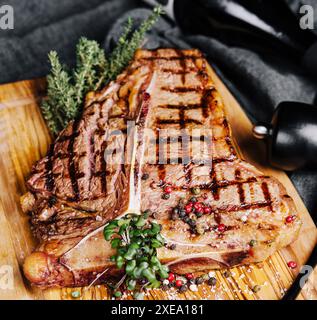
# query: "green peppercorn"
196,191
147,213
205,276
212,281
117,294
253,243
165,196
76,294
193,199
138,296
256,288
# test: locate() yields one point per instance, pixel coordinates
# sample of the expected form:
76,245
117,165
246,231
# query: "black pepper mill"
291,137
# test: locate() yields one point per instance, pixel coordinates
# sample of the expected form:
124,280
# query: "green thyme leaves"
66,89
136,241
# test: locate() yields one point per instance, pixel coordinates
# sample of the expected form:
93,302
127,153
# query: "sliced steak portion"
161,123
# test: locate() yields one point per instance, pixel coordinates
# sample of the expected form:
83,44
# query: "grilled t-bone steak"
101,167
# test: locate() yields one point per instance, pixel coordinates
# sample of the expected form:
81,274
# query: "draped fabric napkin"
259,83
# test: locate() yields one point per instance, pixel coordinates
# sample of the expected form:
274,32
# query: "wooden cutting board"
24,139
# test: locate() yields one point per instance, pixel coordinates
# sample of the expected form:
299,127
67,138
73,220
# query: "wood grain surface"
24,139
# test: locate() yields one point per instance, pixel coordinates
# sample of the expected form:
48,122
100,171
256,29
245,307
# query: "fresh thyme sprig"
127,46
66,90
136,240
60,102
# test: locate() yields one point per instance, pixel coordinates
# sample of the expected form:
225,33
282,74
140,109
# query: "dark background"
259,83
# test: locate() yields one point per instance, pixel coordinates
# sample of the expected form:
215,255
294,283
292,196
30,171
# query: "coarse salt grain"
244,218
211,274
193,288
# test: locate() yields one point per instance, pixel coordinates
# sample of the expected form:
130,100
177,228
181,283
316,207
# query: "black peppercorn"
172,246
186,219
145,176
199,214
165,196
174,216
199,280
182,213
183,288
212,281
227,274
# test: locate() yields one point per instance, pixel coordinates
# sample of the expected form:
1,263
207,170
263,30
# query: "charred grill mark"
101,173
214,161
80,175
182,118
220,160
179,72
171,140
182,121
49,182
266,193
214,185
100,132
202,75
103,167
205,100
245,206
240,186
172,58
182,89
72,165
219,185
188,174
228,137
157,147
183,65
92,157
181,106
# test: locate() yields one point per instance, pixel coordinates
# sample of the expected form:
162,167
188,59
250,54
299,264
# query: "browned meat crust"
75,190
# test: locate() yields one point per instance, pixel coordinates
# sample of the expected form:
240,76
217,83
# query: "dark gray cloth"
259,83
